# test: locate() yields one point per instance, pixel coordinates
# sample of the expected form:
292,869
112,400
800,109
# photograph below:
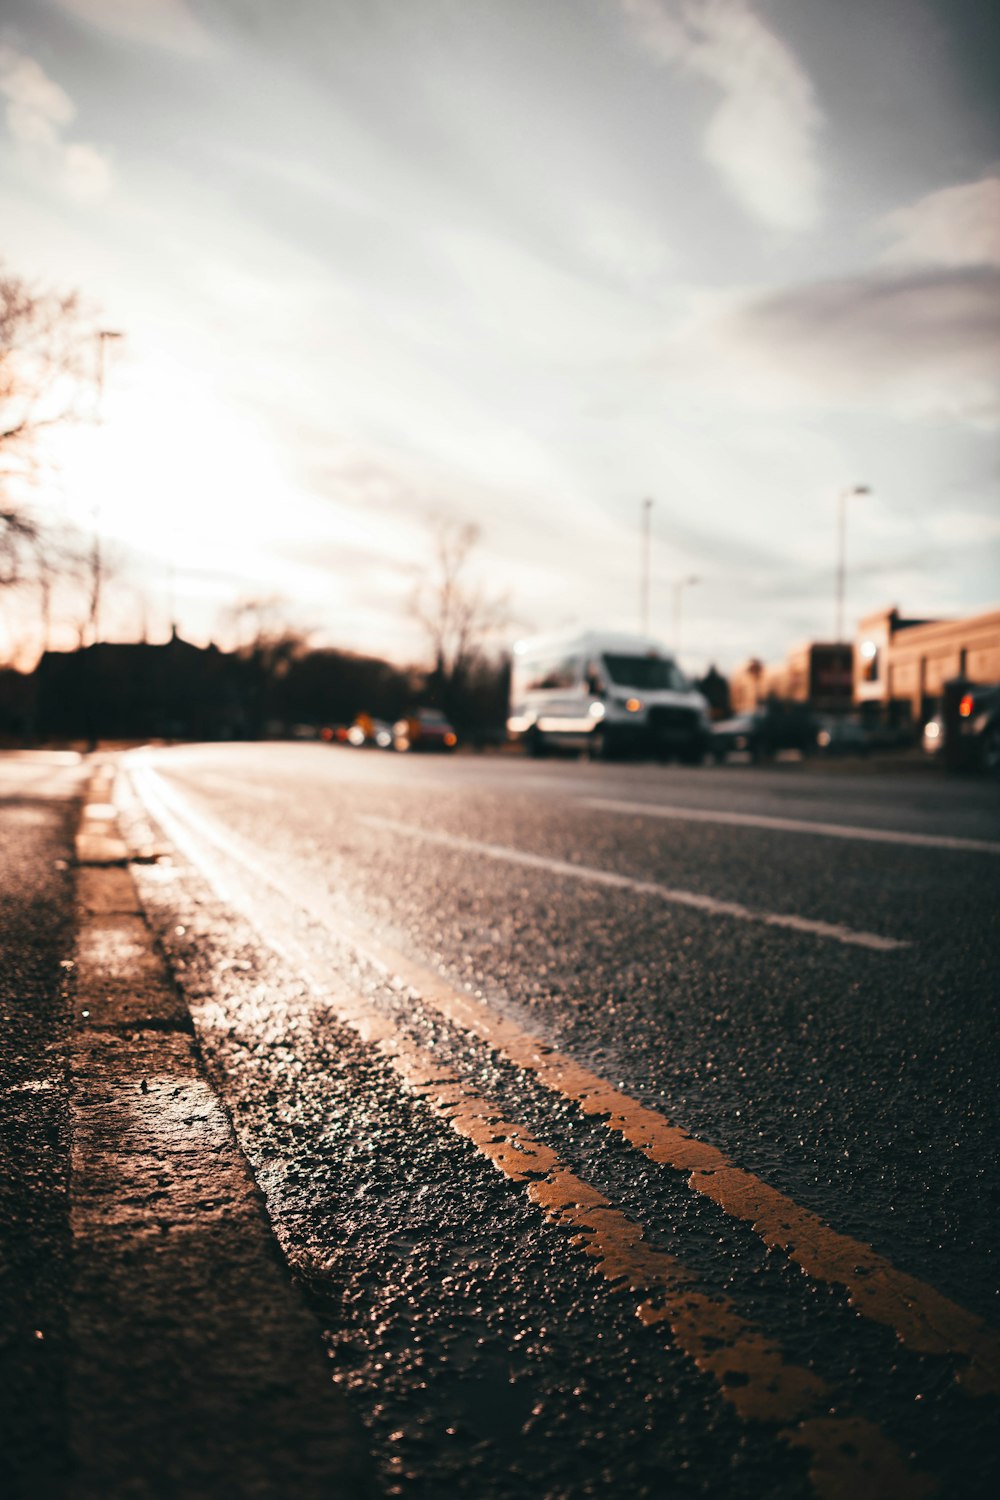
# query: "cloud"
956,226
37,108
38,112
762,136
86,171
158,23
917,342
622,245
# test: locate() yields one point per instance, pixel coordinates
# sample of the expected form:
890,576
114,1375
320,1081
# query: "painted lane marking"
849,1456
709,904
793,825
920,1316
240,786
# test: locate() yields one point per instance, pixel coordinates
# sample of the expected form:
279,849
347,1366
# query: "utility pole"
680,584
96,561
646,507
171,597
842,499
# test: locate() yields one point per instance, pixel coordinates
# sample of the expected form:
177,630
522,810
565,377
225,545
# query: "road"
632,1130
38,813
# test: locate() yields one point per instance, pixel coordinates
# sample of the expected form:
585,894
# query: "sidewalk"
178,1359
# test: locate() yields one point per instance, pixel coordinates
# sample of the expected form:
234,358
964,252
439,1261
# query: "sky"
526,265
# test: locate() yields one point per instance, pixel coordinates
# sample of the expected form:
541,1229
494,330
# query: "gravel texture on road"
39,801
487,1352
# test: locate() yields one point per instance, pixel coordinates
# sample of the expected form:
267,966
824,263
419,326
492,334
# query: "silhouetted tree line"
180,691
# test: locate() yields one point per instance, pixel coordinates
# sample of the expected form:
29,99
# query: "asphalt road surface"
632,1130
39,807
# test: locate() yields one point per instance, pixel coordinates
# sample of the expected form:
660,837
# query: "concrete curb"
195,1370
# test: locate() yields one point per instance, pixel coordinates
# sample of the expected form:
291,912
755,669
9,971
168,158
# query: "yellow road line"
850,1458
921,1317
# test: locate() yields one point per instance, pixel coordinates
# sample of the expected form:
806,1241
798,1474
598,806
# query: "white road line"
793,825
236,784
667,893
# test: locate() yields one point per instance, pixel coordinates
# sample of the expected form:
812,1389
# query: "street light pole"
842,499
104,335
647,506
680,584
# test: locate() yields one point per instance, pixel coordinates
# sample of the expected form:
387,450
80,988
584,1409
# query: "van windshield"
649,672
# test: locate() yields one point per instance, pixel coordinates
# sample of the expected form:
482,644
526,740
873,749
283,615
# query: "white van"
607,692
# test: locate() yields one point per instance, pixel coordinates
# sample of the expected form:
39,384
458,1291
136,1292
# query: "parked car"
424,729
770,728
979,728
841,736
932,738
366,731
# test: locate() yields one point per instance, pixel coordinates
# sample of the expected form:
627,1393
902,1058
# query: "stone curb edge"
196,1369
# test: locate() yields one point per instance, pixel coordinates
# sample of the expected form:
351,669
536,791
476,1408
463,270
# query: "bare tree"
267,647
57,558
458,616
263,635
45,347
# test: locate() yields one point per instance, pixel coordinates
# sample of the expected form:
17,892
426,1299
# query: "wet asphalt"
39,805
478,1343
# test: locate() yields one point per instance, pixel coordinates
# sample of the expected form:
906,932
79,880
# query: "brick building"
901,665
818,673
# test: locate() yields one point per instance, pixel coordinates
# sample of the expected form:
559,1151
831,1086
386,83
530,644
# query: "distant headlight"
932,730
823,738
633,705
596,710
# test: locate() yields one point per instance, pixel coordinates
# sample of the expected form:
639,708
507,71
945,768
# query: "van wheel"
600,745
535,741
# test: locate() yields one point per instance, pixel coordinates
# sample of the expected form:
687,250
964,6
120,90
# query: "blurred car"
841,736
366,731
770,728
979,729
424,729
932,738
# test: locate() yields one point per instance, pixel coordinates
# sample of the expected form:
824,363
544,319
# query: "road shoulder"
196,1369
